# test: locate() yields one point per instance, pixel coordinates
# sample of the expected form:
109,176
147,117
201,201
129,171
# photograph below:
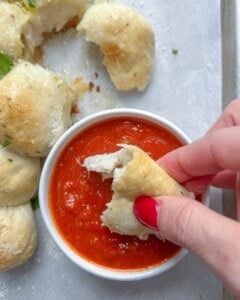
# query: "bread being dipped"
134,174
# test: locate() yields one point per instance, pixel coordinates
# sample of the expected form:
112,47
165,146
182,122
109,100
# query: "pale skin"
214,160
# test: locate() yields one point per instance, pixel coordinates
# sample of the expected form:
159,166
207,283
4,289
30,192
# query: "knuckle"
232,112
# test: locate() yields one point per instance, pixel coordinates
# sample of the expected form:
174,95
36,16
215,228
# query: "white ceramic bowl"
44,187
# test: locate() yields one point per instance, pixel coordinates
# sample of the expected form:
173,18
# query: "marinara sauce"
77,197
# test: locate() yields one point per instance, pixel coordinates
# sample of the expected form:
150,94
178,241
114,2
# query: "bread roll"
126,40
35,109
12,20
50,16
18,235
19,177
134,174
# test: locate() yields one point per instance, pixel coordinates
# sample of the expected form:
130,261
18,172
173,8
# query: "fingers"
238,196
206,156
229,118
225,179
198,185
216,151
192,225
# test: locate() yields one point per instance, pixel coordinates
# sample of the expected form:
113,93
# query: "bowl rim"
63,141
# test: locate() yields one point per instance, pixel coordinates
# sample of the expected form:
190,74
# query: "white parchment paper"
186,89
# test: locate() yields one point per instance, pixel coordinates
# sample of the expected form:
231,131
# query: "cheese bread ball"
19,177
35,109
50,16
18,235
126,40
134,174
12,20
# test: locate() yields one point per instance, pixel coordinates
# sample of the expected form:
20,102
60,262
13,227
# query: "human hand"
211,160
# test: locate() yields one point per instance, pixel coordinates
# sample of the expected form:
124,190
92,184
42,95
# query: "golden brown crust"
35,109
126,40
143,176
50,16
18,235
12,20
19,177
134,174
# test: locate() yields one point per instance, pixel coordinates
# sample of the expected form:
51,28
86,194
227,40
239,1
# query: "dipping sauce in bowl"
76,198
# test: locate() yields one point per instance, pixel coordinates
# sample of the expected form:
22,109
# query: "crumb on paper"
79,87
38,55
75,109
91,86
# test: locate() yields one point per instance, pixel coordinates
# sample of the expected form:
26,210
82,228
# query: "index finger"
218,150
229,118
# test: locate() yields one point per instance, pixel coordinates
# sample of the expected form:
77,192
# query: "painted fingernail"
146,210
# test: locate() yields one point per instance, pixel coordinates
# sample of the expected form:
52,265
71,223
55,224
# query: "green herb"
35,203
10,159
32,3
6,64
174,51
5,143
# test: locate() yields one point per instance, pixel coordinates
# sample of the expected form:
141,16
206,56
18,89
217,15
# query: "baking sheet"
185,89
230,81
230,71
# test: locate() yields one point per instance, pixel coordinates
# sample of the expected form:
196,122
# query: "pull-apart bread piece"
134,174
126,40
19,178
35,109
18,235
12,20
50,16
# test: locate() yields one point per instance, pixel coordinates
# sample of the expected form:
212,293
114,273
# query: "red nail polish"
146,210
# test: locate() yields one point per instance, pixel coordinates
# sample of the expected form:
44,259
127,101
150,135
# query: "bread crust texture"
19,177
18,235
134,174
127,41
12,21
35,109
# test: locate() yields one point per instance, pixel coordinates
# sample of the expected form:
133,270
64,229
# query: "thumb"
183,221
192,225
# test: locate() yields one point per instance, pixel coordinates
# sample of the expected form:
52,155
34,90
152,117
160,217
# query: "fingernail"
146,210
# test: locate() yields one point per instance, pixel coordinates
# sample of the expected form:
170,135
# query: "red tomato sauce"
77,198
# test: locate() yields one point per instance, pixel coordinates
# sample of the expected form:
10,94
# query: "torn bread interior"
134,174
